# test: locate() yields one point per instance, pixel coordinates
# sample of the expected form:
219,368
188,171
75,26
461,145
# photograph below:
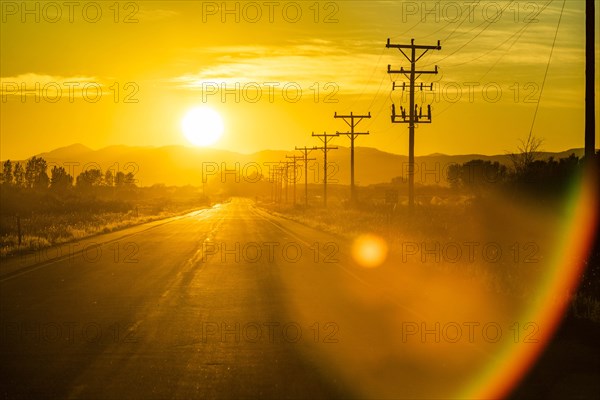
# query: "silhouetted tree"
119,179
527,154
547,176
7,173
90,178
60,179
476,174
109,178
35,173
19,175
123,180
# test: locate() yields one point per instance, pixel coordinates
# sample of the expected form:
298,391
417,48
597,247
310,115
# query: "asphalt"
232,303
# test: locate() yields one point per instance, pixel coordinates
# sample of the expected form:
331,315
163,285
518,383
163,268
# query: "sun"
202,126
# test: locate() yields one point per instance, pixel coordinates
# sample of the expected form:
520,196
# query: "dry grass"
585,306
519,230
43,230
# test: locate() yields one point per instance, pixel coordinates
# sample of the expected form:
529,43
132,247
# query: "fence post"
19,228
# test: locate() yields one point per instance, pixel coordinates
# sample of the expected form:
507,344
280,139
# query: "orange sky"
161,55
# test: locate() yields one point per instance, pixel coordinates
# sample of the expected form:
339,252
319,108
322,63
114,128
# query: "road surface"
232,302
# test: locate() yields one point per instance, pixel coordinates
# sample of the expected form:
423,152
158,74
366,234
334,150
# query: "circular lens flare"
369,250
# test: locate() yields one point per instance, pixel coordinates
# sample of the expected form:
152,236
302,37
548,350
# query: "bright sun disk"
202,126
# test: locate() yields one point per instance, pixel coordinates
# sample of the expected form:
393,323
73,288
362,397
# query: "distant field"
45,225
496,231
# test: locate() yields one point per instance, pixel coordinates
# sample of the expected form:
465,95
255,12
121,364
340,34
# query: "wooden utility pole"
272,178
413,117
305,150
352,135
294,158
278,182
286,168
275,183
325,138
590,70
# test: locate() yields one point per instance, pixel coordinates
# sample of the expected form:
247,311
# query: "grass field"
46,226
505,244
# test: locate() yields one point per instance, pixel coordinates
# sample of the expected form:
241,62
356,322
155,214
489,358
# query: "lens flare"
567,265
369,250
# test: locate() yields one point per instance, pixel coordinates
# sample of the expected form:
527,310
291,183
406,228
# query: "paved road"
232,302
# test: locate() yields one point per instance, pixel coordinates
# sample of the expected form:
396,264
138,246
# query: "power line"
476,36
294,158
547,68
519,32
286,167
375,68
447,38
305,150
590,89
325,138
352,120
413,116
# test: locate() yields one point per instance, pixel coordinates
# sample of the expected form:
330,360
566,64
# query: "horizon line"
275,150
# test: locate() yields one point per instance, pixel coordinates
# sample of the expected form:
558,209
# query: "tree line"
34,176
526,175
478,174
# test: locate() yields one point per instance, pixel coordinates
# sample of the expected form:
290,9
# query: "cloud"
50,87
151,15
302,63
506,52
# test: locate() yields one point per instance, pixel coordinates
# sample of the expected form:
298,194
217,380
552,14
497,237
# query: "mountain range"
181,165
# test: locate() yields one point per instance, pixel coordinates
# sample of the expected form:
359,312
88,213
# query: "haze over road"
230,302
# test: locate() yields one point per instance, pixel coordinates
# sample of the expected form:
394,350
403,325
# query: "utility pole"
352,135
272,175
278,182
275,183
325,138
413,117
286,166
590,70
305,150
283,181
294,158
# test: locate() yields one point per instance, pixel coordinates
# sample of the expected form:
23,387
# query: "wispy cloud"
146,14
302,63
50,87
360,67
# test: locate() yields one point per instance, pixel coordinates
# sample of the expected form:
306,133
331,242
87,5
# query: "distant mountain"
74,150
181,165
